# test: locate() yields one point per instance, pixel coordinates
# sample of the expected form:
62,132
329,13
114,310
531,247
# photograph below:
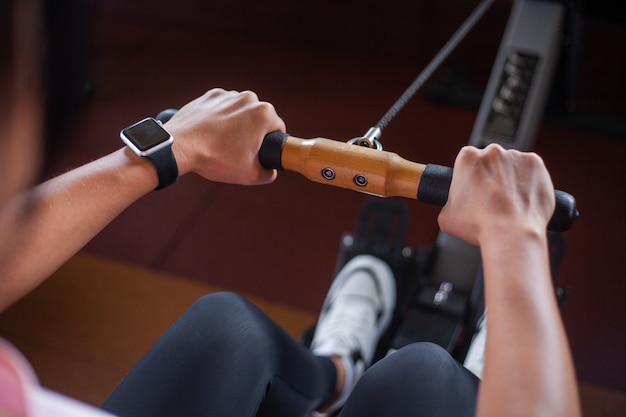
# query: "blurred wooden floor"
91,321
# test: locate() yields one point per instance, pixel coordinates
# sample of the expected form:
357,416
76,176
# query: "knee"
425,359
411,364
218,305
230,321
426,366
418,374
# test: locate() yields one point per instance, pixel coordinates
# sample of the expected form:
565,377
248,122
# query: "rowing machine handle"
386,173
428,183
435,185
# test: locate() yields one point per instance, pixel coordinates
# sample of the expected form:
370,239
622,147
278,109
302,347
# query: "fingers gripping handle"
435,185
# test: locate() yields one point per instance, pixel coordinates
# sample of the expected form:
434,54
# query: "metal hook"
369,140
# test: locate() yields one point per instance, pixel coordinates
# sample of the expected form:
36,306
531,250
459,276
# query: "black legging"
225,357
419,380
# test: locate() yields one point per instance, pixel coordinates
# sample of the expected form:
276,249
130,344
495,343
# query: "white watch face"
146,137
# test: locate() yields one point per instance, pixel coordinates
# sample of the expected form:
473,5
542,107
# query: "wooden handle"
349,166
377,172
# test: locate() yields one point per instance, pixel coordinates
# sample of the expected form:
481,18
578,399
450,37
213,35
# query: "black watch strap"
166,167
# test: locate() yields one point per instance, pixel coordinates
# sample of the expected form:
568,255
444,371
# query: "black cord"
443,53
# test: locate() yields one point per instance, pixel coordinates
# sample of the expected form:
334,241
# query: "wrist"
141,170
502,237
512,242
185,165
149,139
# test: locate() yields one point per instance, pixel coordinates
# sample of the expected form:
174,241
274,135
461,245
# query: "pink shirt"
22,396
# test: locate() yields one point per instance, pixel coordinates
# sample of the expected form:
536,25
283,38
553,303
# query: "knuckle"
249,96
264,110
468,152
494,149
215,92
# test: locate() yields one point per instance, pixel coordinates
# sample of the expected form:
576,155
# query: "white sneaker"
356,313
475,358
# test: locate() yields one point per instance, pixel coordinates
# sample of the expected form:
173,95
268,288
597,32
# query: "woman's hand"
497,189
218,136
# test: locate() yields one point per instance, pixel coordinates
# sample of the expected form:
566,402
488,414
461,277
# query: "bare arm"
503,200
216,136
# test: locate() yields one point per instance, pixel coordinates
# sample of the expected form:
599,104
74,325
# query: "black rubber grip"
271,151
435,183
565,212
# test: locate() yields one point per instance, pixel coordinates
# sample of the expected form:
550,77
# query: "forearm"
528,367
44,227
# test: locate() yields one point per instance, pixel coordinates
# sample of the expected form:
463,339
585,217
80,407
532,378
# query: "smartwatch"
149,139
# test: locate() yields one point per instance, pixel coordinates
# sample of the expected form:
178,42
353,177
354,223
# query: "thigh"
224,357
418,380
